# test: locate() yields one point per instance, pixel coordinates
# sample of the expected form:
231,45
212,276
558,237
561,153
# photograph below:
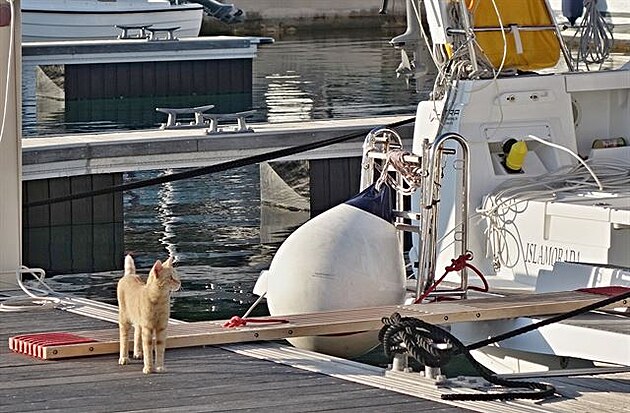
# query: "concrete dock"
84,154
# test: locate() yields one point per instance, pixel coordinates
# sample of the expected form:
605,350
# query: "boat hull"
45,23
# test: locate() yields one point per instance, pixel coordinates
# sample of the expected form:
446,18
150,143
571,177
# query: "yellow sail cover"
526,49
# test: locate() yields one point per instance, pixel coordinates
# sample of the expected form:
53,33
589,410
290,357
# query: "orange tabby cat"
147,308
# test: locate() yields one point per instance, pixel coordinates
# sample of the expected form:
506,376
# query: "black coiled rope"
434,347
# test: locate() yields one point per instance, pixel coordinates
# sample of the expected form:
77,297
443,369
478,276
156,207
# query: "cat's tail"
130,266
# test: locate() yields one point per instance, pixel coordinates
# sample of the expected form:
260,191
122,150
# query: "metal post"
432,160
469,34
563,46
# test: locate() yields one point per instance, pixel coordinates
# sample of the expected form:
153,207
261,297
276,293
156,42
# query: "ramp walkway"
57,345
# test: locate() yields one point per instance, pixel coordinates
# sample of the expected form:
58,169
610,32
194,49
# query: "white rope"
44,297
35,298
573,154
410,172
502,205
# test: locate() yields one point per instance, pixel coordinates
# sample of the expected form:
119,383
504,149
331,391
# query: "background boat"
45,20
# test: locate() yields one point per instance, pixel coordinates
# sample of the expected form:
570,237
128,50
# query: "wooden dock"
261,377
140,50
197,379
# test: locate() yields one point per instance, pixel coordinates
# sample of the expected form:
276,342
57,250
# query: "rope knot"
235,321
459,263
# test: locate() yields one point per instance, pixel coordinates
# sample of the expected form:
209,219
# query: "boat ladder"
412,173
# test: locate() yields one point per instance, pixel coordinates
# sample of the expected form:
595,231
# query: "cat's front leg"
124,342
137,342
160,347
147,349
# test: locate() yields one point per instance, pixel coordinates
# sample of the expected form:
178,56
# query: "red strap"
237,321
611,291
457,264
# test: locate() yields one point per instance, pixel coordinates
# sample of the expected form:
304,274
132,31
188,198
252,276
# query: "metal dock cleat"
133,31
156,33
171,122
241,124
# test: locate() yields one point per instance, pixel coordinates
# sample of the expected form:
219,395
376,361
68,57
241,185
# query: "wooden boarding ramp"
57,345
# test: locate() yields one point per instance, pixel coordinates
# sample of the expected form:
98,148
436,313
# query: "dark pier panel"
156,79
333,181
83,235
128,93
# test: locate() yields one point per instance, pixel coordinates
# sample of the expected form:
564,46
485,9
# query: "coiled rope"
410,172
596,37
434,347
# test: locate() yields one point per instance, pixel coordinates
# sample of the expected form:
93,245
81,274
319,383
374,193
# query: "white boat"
518,159
47,20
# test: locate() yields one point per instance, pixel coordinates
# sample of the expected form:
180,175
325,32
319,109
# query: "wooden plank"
38,247
60,212
36,191
60,254
72,82
95,84
81,208
118,198
199,76
82,241
333,181
148,78
319,186
345,321
103,206
172,82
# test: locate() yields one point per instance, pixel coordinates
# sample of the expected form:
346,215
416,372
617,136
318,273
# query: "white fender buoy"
344,258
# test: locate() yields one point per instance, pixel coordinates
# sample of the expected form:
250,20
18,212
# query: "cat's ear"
157,267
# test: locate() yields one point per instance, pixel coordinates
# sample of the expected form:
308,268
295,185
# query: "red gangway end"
34,344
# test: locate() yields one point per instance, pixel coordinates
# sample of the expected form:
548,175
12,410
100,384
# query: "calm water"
212,224
349,74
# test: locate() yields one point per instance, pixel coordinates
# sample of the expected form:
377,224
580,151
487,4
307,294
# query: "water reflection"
212,224
346,74
207,293
352,75
287,99
166,217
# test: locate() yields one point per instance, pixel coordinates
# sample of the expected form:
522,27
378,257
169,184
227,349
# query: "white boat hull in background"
47,20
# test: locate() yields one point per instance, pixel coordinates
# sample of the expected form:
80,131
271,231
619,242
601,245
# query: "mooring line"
205,170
